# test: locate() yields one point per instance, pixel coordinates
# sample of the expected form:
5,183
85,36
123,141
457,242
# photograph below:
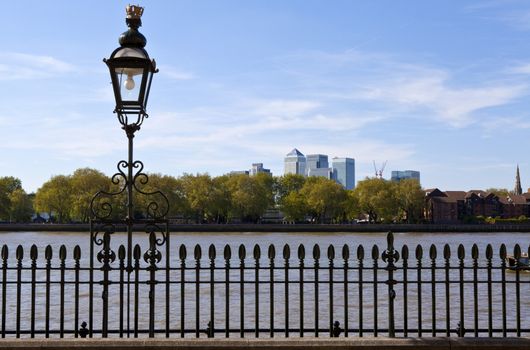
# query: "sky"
442,87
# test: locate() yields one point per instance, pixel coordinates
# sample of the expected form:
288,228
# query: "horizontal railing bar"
275,330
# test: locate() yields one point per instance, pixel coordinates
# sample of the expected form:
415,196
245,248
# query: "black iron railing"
184,292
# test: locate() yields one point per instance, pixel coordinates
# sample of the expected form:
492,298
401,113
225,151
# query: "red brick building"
455,206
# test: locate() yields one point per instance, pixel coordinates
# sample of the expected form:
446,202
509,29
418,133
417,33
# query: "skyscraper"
316,161
258,168
398,175
344,172
317,165
295,163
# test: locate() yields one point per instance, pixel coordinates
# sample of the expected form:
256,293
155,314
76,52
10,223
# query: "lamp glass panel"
130,82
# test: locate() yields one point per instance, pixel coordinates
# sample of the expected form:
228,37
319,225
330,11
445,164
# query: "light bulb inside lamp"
129,83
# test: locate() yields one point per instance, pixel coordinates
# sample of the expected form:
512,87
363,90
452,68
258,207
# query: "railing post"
390,255
152,257
106,256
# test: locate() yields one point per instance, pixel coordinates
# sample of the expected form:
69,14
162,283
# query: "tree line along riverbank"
469,228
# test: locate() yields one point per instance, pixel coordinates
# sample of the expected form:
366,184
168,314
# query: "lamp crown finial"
134,11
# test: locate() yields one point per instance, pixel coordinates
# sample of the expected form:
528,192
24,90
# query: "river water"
308,312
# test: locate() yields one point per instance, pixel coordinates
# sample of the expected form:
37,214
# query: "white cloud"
395,84
175,74
20,66
520,69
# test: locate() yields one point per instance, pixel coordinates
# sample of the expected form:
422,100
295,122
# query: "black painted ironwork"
118,206
176,295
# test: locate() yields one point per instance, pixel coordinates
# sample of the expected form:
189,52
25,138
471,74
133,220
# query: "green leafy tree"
251,196
411,199
54,197
286,184
170,187
8,185
325,198
198,190
288,197
377,199
220,200
84,184
21,206
500,192
294,206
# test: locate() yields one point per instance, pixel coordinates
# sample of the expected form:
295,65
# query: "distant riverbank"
288,228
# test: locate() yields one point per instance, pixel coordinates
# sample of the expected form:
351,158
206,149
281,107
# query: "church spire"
518,189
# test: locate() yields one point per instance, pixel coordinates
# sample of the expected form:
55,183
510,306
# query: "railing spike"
461,252
137,252
227,252
183,253
242,252
419,252
256,252
19,254
33,252
474,251
316,252
5,252
121,252
197,252
360,252
489,252
331,252
432,252
77,252
405,252
48,253
447,252
375,252
502,251
301,252
345,252
271,252
62,252
211,252
517,251
286,251
390,240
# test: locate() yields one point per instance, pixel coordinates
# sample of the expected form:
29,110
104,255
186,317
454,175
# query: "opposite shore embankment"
286,227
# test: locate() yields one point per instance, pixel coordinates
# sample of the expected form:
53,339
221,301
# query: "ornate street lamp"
131,72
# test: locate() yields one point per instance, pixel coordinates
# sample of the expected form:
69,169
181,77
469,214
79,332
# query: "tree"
220,200
84,184
198,190
294,206
411,199
377,198
499,192
325,198
288,198
250,196
287,184
54,197
15,205
21,206
170,187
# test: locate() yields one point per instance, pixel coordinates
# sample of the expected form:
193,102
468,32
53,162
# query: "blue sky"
441,87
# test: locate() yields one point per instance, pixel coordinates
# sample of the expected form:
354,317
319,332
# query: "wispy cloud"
18,66
393,84
176,74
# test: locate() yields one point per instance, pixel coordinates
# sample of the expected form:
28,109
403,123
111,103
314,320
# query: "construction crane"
379,171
